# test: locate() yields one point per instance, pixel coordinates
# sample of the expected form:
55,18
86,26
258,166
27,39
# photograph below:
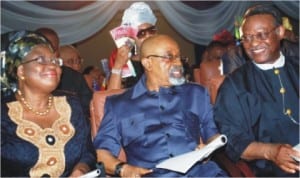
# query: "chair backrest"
97,112
97,108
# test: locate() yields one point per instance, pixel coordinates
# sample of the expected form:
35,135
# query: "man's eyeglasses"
150,30
170,57
46,61
259,36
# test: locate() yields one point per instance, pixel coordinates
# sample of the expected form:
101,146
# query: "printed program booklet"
182,163
124,35
297,148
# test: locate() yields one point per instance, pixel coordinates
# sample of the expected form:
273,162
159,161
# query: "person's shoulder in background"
289,48
73,83
70,79
70,96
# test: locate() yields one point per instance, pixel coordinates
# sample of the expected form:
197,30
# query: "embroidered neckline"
49,141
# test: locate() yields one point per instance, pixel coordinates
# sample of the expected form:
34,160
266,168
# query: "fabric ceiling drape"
197,26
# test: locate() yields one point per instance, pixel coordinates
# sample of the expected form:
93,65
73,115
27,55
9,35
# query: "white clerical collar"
277,64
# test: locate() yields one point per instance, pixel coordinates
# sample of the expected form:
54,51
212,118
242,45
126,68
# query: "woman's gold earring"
22,78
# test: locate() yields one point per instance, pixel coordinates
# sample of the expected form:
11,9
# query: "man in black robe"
258,104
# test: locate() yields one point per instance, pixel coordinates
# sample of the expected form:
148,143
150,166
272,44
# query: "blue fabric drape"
197,26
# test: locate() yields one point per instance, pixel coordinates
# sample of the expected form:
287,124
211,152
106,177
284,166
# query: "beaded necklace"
286,111
30,108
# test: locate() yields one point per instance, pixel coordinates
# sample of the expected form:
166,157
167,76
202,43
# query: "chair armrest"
238,169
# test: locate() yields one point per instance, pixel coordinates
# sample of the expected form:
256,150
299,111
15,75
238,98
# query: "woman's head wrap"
138,13
14,47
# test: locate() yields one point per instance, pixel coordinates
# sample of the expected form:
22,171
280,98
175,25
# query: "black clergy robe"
249,107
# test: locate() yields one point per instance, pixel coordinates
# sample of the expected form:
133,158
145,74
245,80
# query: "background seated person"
71,57
43,134
94,77
257,106
168,118
210,72
290,42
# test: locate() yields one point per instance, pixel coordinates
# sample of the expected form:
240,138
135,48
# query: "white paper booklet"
92,174
296,147
182,163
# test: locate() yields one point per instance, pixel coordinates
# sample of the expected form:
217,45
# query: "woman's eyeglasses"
150,30
46,61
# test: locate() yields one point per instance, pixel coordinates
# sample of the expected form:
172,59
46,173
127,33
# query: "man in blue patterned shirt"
160,117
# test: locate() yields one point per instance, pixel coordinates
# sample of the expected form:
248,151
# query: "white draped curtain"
197,26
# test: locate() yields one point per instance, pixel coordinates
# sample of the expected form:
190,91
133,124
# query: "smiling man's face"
261,38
